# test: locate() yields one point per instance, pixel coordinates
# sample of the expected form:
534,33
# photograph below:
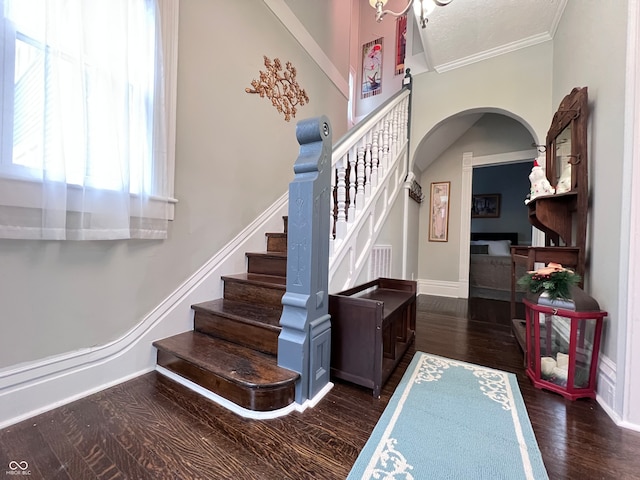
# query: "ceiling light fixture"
422,8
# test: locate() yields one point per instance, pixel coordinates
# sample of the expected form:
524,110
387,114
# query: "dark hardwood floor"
151,428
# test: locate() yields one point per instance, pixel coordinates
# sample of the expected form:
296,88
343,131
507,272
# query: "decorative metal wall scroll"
415,192
280,86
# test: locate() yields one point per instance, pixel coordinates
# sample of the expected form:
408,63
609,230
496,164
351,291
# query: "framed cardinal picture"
371,68
401,43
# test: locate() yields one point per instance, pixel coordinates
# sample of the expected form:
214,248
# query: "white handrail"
360,130
368,163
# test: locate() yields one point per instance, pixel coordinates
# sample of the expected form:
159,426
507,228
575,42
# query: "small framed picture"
439,212
486,205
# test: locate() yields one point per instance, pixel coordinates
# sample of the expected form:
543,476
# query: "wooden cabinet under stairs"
232,350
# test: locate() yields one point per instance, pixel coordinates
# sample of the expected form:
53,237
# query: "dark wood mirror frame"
573,113
563,216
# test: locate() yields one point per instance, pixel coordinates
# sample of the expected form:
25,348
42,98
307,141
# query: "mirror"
567,143
563,165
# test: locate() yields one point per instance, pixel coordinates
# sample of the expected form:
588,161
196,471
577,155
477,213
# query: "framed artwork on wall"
439,212
372,68
486,205
401,43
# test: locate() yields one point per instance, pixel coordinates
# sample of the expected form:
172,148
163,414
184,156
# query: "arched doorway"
450,151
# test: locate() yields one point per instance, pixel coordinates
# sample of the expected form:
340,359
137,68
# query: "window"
86,126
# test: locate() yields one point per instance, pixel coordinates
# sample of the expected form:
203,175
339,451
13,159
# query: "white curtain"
83,152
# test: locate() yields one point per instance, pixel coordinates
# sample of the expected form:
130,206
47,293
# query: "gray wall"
590,50
491,134
517,84
330,23
234,158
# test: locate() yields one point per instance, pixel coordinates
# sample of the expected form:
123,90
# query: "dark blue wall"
511,181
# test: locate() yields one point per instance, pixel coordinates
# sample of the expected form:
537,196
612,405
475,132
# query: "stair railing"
367,170
369,167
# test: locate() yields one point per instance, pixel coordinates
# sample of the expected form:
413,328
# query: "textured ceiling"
467,31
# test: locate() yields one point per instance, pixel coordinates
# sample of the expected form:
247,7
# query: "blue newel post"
304,345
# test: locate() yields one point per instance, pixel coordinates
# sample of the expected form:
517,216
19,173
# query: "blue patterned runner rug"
452,420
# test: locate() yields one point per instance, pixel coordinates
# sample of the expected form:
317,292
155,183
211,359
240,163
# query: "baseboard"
33,388
606,382
241,411
438,288
606,392
628,425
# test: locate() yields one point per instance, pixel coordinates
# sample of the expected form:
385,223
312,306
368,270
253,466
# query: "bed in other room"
490,265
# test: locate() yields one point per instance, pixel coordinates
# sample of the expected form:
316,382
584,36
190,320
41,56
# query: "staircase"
232,350
263,320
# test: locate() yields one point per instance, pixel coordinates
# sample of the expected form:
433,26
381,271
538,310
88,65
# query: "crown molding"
494,52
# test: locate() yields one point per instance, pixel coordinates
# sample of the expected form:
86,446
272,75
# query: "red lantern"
563,342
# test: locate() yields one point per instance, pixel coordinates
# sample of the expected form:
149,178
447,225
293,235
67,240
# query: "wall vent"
380,262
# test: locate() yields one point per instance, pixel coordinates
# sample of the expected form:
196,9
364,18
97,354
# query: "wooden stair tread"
235,363
244,312
258,279
279,255
233,348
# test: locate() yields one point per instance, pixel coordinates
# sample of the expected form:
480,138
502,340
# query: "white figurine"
539,183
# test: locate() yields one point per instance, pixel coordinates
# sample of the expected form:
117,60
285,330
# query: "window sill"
16,192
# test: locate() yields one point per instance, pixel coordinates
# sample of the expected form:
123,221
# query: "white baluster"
380,134
385,146
374,159
402,124
341,221
360,177
351,210
367,166
405,121
394,133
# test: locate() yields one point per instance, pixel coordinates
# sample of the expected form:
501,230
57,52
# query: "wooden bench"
372,325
